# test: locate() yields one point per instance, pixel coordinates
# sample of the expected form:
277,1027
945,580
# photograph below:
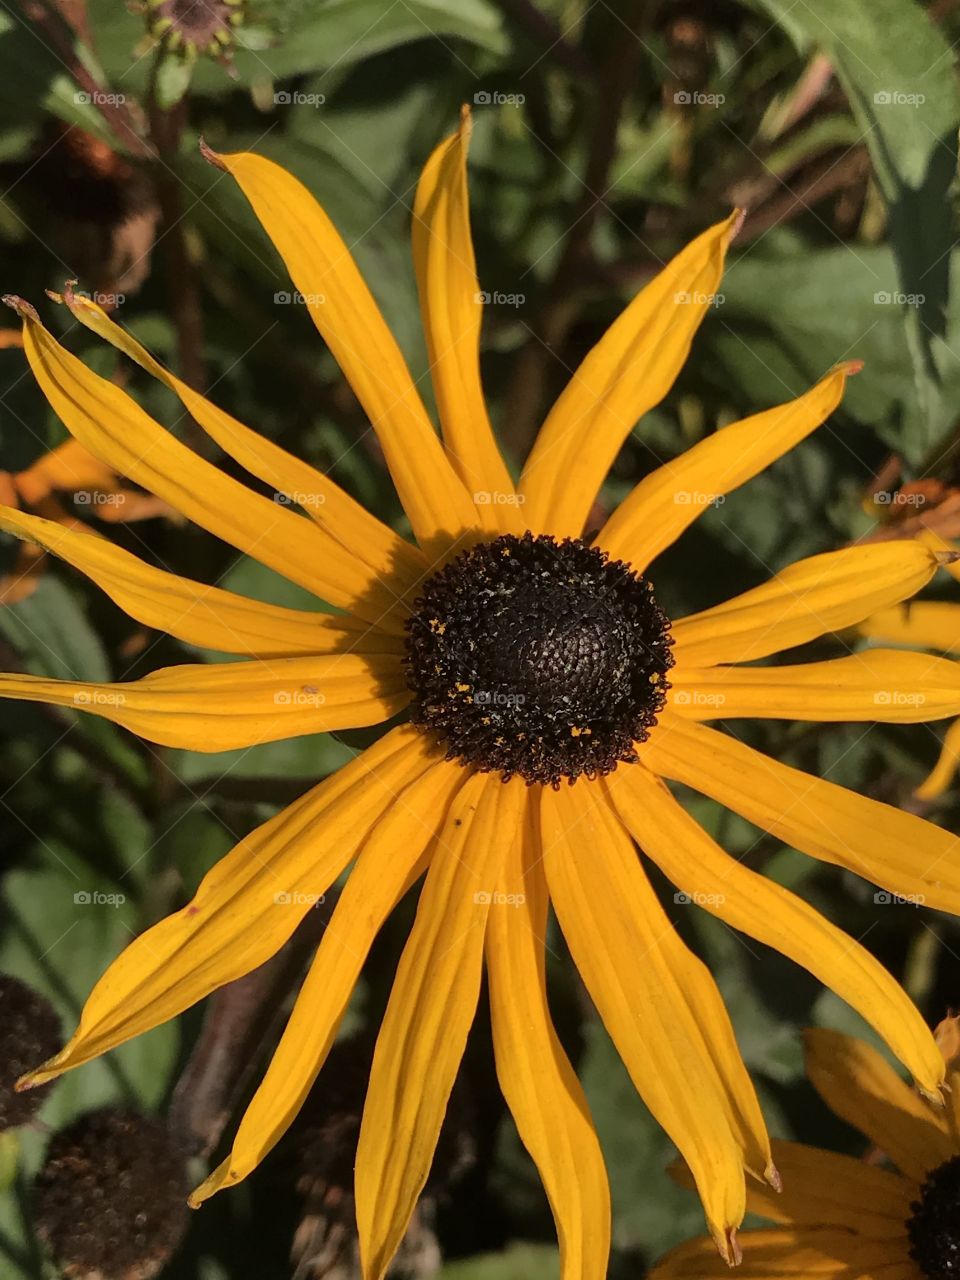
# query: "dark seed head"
110,1200
29,1034
540,658
934,1224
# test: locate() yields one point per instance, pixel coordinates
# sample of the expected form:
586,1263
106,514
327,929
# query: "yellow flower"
932,625
849,1219
539,657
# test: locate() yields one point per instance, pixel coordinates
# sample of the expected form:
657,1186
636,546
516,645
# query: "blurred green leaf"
897,69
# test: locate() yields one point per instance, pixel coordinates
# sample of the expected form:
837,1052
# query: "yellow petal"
247,906
944,771
888,685
630,370
616,931
219,706
293,480
669,500
809,599
192,611
924,624
391,859
551,1112
431,1007
343,309
452,306
822,1189
114,427
906,855
764,910
863,1089
792,1253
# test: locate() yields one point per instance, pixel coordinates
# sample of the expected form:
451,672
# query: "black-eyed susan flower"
854,1219
526,657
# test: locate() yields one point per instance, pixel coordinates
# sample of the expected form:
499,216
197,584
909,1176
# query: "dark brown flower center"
934,1223
540,658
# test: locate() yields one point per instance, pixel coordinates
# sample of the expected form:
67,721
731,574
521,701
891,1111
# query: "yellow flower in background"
932,625
526,657
853,1219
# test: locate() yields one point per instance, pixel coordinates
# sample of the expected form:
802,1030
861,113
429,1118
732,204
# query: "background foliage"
606,135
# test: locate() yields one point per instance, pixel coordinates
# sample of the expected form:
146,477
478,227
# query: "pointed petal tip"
212,1183
735,223
211,156
34,1079
946,557
851,367
729,1247
23,308
771,1175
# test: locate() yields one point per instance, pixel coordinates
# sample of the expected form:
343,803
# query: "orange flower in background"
67,471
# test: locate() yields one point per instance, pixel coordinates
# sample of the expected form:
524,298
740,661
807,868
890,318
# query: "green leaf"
898,73
52,635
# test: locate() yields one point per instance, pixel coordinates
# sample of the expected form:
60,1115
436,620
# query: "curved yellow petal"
912,859
670,499
764,910
193,611
925,624
619,939
809,599
893,686
114,427
945,770
452,306
862,1088
630,370
391,859
542,1091
793,1253
247,906
294,481
431,1008
342,307
219,706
